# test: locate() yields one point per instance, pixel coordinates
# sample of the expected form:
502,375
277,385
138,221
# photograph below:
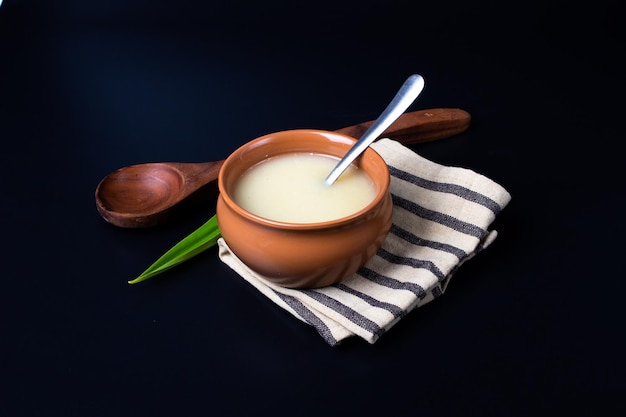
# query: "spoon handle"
409,129
409,91
419,126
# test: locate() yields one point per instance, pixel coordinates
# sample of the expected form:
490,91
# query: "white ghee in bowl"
291,188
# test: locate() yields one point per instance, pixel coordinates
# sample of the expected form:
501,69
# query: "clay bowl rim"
329,135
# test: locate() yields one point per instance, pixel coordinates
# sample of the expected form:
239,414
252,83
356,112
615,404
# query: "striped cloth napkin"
441,219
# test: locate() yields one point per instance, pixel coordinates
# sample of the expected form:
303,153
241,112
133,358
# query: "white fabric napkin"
441,219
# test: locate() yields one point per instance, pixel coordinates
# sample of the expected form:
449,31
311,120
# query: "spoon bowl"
146,188
147,195
144,195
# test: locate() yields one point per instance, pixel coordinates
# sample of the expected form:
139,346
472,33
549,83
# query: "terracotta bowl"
299,255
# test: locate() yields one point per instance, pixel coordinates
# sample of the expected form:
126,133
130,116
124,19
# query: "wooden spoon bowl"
145,195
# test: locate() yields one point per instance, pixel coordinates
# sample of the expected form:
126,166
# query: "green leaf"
195,243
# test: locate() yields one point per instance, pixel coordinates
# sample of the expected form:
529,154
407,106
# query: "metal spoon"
409,91
146,195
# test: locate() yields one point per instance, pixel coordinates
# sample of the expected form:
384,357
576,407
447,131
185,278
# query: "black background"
531,325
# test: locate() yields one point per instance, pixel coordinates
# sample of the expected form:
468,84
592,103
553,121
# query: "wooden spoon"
146,195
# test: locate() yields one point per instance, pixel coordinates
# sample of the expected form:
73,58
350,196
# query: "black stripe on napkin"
418,241
347,312
412,262
443,187
308,316
437,217
392,308
392,283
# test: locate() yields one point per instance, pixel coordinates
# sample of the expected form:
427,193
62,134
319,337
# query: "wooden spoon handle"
410,128
419,126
